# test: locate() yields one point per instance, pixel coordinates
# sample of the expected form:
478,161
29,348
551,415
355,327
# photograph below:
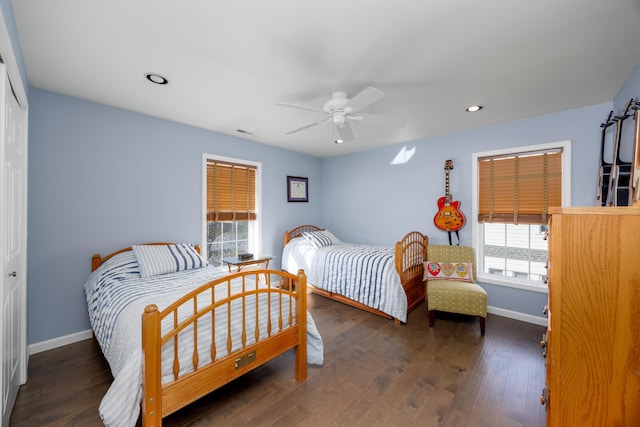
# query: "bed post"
301,318
96,260
425,244
151,375
399,259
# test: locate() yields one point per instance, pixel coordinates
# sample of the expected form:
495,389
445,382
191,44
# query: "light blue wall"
101,179
630,90
366,199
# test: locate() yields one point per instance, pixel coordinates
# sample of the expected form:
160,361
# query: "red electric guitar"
449,217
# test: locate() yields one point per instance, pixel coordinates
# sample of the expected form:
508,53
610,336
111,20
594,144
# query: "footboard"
410,254
218,332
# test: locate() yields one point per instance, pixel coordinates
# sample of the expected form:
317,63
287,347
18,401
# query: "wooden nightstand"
241,263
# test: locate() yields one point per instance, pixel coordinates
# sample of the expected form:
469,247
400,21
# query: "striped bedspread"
116,298
363,273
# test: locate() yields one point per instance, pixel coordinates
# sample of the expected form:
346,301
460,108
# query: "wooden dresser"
593,337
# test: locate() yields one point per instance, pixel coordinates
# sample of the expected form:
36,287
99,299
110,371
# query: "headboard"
97,260
297,232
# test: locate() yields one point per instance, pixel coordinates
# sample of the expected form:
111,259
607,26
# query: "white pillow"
154,260
316,239
330,235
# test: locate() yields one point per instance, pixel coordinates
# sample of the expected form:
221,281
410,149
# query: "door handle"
13,274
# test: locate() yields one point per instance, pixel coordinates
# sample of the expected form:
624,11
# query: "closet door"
13,178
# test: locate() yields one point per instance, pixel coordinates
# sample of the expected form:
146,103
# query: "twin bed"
386,281
201,327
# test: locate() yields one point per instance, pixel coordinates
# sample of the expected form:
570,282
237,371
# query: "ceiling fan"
340,110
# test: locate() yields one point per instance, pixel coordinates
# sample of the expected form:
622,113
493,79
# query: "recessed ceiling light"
156,78
474,108
338,141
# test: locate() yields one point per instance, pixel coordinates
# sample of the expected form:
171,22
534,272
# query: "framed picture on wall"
297,189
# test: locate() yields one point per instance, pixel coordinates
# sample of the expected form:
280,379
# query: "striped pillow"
330,235
316,239
154,260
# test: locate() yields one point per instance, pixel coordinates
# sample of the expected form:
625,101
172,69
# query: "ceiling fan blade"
345,133
300,107
366,97
308,126
375,119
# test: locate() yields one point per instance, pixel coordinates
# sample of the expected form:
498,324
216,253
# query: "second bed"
386,281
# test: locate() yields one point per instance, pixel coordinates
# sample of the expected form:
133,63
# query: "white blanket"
116,298
363,273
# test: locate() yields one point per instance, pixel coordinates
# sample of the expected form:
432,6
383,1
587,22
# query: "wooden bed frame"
160,400
410,252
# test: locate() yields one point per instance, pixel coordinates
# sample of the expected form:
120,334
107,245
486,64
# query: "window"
513,192
230,203
515,250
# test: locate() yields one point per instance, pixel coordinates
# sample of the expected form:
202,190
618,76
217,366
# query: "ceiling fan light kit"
340,110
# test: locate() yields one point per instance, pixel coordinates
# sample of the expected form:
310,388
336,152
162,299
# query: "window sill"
512,283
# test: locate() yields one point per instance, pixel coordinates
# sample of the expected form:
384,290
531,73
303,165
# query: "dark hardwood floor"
375,374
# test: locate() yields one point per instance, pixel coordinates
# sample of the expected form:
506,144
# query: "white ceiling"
230,62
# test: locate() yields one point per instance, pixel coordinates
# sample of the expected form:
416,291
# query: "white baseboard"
59,342
529,318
